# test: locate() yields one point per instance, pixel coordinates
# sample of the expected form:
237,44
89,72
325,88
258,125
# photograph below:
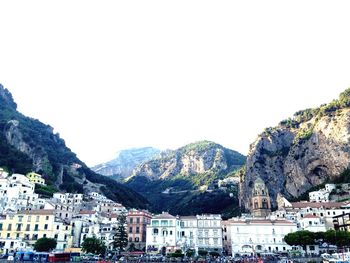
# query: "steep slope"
125,162
176,181
26,144
302,152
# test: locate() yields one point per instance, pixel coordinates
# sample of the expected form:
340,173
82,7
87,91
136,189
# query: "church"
259,233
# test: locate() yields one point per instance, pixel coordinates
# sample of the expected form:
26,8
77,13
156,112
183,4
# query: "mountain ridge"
301,152
125,162
27,145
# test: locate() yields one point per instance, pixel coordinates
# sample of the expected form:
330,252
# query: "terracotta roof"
263,222
164,216
38,212
87,212
310,216
318,205
188,217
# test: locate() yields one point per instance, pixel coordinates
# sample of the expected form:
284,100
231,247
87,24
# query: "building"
16,193
137,222
226,237
161,234
319,196
30,225
259,236
35,178
312,223
11,245
210,233
69,198
187,234
260,202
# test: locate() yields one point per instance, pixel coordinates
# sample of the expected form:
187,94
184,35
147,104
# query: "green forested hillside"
27,145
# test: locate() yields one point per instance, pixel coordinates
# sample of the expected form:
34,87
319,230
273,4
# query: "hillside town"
70,218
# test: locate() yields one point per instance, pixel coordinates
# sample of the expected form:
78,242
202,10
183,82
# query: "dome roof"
259,182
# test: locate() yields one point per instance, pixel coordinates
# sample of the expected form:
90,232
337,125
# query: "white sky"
110,75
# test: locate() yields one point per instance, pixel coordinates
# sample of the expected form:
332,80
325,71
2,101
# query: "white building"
16,193
312,223
69,198
188,233
167,233
11,245
319,196
260,236
210,233
161,234
330,187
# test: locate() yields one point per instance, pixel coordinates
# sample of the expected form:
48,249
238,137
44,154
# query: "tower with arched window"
260,203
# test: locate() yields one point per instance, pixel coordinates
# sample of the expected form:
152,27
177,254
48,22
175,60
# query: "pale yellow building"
34,224
35,178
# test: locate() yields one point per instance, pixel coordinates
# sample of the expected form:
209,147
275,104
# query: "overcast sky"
110,75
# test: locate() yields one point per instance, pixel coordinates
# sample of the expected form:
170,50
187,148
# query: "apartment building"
30,225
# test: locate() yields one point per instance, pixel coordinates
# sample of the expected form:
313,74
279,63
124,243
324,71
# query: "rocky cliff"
185,181
27,145
309,149
194,159
125,162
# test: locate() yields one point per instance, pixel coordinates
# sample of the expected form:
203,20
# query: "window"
20,218
137,230
35,236
8,235
28,227
17,235
9,227
57,227
131,221
155,231
46,226
44,235
47,217
37,219
137,239
171,232
19,226
0,226
137,220
130,229
56,236
36,227
215,241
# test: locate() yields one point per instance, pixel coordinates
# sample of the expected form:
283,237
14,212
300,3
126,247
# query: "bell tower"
260,203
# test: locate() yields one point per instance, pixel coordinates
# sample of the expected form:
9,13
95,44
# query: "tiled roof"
318,205
188,217
164,216
310,216
38,212
87,212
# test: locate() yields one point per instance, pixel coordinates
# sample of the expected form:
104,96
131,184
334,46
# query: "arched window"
256,205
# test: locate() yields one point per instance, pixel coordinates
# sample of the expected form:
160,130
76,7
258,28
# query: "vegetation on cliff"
27,145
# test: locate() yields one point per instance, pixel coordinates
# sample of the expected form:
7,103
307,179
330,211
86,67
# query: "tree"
94,245
45,244
121,237
300,238
338,238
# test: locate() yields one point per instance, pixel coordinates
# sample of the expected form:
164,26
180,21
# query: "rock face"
26,145
125,162
302,152
197,158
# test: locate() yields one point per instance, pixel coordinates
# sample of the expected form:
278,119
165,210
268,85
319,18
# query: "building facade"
137,222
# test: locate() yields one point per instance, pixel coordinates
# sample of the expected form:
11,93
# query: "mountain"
27,145
125,162
176,181
309,149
